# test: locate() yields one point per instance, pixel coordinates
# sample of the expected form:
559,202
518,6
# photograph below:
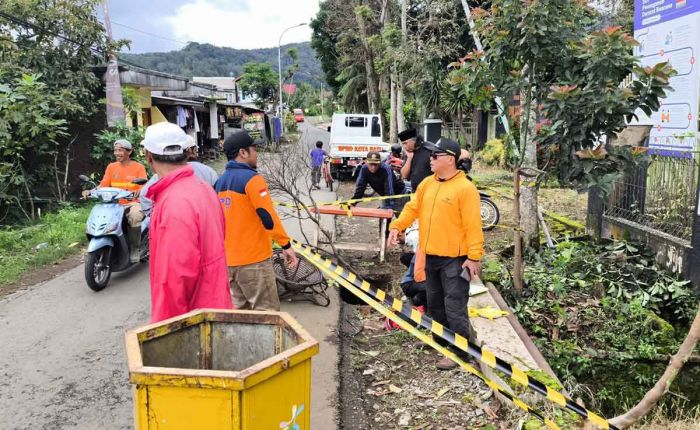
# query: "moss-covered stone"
665,333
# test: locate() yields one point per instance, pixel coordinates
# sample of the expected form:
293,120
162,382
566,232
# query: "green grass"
21,247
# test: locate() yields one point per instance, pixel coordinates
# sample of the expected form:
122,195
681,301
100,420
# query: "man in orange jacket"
119,174
447,207
251,226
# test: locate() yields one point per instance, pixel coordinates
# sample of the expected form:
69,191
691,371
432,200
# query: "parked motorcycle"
489,212
108,248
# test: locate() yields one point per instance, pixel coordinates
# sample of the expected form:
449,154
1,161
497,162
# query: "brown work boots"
446,364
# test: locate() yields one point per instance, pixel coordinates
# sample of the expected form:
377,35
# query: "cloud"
130,18
242,24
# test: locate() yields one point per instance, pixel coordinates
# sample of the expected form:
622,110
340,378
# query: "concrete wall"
670,252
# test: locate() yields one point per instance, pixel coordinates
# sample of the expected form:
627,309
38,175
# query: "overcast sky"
243,24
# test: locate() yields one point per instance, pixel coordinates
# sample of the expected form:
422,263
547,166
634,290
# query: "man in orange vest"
119,174
251,225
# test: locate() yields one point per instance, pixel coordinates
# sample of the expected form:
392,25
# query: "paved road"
62,360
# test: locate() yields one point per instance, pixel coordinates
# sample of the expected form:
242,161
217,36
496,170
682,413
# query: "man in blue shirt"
317,157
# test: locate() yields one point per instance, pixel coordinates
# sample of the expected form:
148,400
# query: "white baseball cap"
190,141
165,138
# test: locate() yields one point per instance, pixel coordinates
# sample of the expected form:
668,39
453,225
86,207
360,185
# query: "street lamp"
279,69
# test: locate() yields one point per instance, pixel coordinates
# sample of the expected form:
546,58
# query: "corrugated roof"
176,101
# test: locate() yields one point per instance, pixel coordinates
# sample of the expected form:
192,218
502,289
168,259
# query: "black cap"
445,146
373,157
410,133
236,141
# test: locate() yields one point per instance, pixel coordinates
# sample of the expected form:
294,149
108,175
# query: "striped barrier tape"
344,202
384,311
387,303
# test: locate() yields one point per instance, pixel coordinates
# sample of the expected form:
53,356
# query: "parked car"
298,115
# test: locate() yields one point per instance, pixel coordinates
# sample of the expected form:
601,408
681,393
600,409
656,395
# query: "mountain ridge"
204,59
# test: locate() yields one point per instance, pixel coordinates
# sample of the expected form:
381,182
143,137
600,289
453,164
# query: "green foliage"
46,54
324,40
494,153
601,310
290,123
29,124
454,102
306,97
64,65
543,51
586,304
203,59
259,80
589,103
103,151
566,420
436,34
43,242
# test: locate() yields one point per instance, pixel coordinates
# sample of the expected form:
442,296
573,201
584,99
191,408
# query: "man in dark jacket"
417,164
380,177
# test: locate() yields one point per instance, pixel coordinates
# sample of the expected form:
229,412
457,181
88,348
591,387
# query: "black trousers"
448,295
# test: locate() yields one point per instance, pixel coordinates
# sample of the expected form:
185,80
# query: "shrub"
103,150
494,153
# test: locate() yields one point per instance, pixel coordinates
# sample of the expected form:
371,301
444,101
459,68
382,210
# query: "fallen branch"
652,397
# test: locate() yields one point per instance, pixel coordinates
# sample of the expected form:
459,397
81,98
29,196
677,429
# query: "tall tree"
49,45
543,53
259,81
364,18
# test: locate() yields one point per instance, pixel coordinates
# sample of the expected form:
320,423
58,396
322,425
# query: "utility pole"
480,47
113,90
321,100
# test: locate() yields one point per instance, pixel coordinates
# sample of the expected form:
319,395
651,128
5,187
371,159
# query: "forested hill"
208,60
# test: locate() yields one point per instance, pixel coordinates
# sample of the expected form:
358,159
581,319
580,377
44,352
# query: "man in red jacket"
188,259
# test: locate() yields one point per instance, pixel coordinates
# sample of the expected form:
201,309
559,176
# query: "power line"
157,36
40,29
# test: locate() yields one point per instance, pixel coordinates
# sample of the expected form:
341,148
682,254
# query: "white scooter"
108,250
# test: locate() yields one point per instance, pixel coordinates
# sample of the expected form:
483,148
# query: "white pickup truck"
352,137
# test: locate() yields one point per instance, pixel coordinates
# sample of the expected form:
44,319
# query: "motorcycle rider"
119,174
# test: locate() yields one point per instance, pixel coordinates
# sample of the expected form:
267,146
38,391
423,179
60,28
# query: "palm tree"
353,92
455,103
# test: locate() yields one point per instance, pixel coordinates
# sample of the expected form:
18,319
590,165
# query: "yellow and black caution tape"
321,264
384,304
345,202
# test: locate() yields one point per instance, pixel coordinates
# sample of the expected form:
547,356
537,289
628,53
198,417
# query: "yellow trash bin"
221,370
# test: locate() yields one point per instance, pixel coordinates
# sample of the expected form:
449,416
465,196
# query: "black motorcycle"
489,211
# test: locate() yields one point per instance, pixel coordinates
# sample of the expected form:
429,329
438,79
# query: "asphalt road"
62,358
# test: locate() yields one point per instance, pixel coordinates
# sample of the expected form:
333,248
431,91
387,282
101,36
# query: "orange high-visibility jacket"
449,215
120,176
251,221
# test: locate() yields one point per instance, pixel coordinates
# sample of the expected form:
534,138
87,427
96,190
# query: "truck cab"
352,137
